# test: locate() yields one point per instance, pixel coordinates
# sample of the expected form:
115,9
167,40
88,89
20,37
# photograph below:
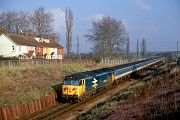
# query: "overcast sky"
158,21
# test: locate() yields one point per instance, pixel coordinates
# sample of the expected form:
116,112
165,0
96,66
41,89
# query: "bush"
8,58
97,60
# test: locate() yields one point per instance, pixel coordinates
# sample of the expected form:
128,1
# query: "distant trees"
39,22
143,48
69,29
109,37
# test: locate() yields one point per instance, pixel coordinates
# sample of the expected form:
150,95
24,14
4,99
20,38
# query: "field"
27,83
151,98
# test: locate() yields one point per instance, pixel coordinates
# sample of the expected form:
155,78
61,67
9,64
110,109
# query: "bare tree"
14,21
22,22
41,22
69,29
143,48
108,36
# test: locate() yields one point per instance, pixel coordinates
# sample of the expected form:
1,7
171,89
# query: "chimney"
52,38
22,33
31,35
2,30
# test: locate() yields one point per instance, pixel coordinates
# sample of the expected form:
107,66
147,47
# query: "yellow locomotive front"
72,89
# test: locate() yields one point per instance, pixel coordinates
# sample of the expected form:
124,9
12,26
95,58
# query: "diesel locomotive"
78,85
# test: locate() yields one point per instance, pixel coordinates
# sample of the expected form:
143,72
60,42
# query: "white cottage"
16,45
27,47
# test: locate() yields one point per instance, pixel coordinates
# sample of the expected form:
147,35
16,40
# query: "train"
78,85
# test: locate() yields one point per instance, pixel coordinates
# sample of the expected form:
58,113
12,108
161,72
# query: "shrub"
8,58
97,60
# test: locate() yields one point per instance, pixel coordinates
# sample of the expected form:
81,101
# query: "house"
16,45
49,48
28,47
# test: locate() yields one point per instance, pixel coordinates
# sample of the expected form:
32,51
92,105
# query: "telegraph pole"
177,48
78,46
137,48
128,42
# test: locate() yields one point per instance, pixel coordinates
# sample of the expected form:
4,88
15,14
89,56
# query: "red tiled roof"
29,41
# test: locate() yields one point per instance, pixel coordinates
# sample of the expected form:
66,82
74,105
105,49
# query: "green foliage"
8,58
34,95
97,60
57,86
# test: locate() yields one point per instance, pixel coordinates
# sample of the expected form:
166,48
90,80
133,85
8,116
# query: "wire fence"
17,63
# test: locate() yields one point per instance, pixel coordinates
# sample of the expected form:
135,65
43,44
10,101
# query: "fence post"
4,114
9,63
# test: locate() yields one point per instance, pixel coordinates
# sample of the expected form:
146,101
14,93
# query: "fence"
12,63
24,110
116,61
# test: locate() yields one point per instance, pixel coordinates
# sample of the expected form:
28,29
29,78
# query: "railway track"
50,111
69,111
64,111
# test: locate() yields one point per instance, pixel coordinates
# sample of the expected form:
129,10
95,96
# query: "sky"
158,21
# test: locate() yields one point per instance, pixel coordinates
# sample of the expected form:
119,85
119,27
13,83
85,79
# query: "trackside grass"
27,83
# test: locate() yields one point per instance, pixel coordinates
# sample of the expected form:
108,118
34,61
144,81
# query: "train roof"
128,64
89,74
97,72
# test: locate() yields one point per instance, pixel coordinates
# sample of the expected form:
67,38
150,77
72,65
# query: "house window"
13,48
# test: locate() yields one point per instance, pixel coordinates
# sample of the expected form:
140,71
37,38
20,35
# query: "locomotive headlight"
74,89
65,88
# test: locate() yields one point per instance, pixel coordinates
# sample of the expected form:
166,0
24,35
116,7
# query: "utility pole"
177,49
128,42
78,46
137,48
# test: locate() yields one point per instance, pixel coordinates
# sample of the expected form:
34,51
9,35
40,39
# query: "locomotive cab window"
81,82
71,82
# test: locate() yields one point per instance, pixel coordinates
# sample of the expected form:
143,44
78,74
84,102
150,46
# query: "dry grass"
27,83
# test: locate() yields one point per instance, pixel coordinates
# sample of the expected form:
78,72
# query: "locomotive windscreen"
71,82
